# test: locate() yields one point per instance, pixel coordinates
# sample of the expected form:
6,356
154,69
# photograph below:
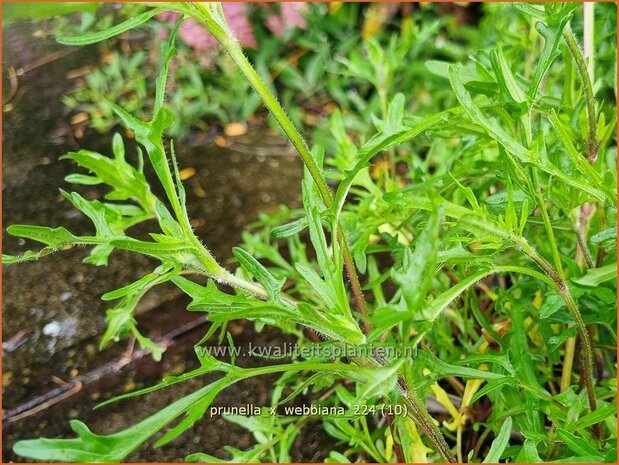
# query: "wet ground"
52,314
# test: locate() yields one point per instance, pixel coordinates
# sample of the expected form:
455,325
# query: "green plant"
120,78
468,256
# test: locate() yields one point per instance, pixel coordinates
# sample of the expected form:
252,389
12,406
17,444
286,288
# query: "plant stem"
397,447
547,224
355,285
582,244
415,411
237,55
563,289
568,363
589,36
585,77
217,27
570,344
229,43
425,422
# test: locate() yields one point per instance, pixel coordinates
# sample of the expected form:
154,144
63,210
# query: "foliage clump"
476,230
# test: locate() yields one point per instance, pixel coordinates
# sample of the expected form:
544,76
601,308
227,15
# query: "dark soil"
229,189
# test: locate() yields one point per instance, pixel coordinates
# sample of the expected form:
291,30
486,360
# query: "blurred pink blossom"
290,16
198,38
193,34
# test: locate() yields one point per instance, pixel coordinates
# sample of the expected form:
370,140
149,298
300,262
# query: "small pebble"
235,129
52,329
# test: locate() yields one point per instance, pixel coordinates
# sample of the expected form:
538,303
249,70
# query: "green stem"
211,16
230,44
581,66
582,243
415,410
586,76
568,364
425,422
589,36
219,29
562,289
547,224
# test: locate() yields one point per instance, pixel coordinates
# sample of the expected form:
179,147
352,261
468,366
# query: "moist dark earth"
52,314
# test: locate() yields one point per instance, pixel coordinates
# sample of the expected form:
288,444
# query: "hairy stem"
585,77
582,245
415,410
213,20
562,288
397,447
427,424
585,66
229,43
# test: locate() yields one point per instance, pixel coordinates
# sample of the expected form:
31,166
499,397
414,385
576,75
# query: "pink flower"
194,35
198,38
275,25
290,16
236,14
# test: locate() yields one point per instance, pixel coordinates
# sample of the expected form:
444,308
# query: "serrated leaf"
472,78
415,274
374,146
271,284
476,115
555,342
380,382
27,256
317,284
126,181
83,179
209,297
592,418
195,412
553,37
444,299
120,321
89,447
520,153
125,26
392,124
176,250
167,222
54,237
508,85
578,160
136,286
94,210
492,385
441,368
528,453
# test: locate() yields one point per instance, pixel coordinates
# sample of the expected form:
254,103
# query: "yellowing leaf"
417,451
537,301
